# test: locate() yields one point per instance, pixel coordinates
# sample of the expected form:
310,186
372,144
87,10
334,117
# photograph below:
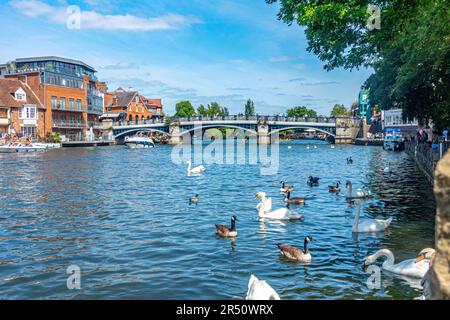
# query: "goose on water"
284,188
225,231
313,181
349,160
368,225
335,188
260,290
416,268
279,214
290,200
196,170
293,253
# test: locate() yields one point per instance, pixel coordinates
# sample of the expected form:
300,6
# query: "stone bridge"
342,129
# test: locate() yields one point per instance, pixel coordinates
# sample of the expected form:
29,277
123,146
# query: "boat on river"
139,141
19,147
393,140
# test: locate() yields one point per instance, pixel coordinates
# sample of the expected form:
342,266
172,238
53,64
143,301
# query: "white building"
393,119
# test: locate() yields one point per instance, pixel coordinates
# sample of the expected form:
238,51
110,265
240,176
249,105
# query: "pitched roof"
7,89
123,98
153,102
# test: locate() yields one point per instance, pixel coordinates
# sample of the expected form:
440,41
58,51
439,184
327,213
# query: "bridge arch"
212,126
128,132
302,127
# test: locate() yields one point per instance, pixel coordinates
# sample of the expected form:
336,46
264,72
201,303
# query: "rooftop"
54,58
7,89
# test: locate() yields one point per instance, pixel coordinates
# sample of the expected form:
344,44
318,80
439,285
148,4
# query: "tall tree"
301,111
339,110
249,108
410,53
201,110
184,109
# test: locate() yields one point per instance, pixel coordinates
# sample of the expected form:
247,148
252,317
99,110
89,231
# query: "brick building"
131,106
21,111
72,96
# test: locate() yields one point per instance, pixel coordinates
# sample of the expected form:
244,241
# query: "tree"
339,110
184,109
409,54
201,110
301,111
249,108
214,109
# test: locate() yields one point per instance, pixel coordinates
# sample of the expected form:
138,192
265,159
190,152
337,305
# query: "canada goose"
193,200
368,225
416,268
290,200
335,188
196,170
295,253
359,194
225,231
260,290
284,188
313,181
349,160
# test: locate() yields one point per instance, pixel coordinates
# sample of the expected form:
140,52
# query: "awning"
110,115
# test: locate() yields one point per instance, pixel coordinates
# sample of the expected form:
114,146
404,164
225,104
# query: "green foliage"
55,138
184,109
201,110
410,54
301,111
249,108
339,110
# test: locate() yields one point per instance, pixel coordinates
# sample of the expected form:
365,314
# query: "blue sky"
217,50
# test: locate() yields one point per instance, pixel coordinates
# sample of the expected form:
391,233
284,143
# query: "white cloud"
95,20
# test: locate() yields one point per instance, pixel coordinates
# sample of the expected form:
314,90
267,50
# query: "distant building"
21,111
364,107
70,92
131,106
393,119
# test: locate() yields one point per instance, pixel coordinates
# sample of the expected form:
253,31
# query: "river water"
124,218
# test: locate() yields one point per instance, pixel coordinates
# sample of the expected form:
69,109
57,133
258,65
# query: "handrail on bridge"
258,118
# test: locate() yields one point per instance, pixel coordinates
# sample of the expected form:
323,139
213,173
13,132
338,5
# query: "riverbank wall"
426,156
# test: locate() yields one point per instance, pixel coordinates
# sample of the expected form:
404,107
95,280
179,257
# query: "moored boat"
18,147
139,141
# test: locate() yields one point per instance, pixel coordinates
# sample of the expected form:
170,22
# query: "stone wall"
439,275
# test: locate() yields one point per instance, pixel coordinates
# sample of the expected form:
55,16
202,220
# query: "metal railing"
256,118
427,154
67,125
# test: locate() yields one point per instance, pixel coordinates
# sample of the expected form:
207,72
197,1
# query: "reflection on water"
124,217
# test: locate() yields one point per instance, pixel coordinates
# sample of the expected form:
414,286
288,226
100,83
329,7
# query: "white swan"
360,193
196,170
387,170
279,214
368,225
416,268
266,202
260,290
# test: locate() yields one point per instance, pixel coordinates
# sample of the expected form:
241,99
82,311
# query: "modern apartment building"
71,95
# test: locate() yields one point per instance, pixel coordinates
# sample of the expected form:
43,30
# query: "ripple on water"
123,216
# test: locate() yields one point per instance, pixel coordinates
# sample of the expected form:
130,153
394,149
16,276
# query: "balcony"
4,121
67,125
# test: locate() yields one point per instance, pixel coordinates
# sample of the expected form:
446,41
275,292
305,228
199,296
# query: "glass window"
71,104
54,102
63,103
79,107
63,118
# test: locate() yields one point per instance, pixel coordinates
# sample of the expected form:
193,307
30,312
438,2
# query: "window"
72,119
62,101
20,96
71,104
28,112
63,119
79,107
29,132
54,102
